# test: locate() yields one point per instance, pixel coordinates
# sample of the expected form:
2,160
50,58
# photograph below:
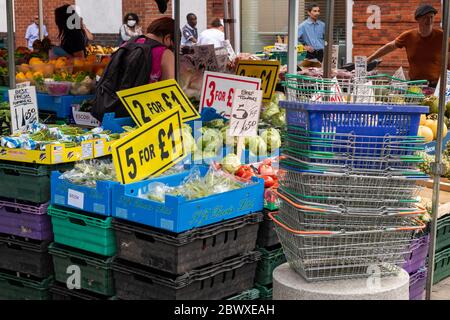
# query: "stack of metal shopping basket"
348,175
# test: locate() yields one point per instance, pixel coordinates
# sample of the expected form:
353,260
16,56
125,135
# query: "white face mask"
131,23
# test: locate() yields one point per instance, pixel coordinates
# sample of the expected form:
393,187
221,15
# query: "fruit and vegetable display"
93,49
22,56
87,173
195,186
429,123
41,135
264,170
5,119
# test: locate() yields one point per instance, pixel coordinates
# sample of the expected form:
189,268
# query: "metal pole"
328,51
11,43
41,20
437,166
293,36
177,10
226,19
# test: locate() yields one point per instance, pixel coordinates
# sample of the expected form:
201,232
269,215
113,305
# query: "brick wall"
215,9
396,16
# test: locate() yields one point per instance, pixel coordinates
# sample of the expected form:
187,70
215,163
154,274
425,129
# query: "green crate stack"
252,294
442,258
265,292
87,241
20,288
270,259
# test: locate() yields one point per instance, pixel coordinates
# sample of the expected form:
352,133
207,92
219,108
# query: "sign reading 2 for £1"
150,150
147,102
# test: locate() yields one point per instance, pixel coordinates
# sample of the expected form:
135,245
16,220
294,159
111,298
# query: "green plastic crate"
270,259
252,294
27,182
443,233
265,293
441,266
14,288
96,271
82,231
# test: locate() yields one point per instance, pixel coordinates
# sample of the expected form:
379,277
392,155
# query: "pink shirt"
157,54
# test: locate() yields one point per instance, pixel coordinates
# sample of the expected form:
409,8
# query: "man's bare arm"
384,50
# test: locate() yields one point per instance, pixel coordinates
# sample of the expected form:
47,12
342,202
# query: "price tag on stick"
150,150
267,71
147,102
245,115
218,90
24,110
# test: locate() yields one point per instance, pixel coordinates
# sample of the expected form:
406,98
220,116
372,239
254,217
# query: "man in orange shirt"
423,47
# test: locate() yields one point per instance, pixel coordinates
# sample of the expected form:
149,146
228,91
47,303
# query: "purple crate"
21,207
20,220
417,282
418,253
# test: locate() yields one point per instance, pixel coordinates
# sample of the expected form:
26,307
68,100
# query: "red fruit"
266,170
244,171
268,181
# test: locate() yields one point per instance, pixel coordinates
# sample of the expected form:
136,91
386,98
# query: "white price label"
218,90
75,199
24,110
99,148
245,113
87,151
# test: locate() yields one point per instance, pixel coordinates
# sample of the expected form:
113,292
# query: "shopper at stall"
88,36
32,33
73,35
214,35
130,27
423,47
190,32
311,33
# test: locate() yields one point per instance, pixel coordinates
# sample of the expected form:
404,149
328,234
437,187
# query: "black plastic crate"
215,282
267,237
25,256
179,253
13,287
61,292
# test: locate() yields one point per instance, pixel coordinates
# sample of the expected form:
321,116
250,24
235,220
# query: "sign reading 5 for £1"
150,150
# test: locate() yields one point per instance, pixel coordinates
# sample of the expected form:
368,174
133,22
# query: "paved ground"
441,290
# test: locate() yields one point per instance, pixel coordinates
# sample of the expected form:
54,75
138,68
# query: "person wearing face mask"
130,27
423,47
32,33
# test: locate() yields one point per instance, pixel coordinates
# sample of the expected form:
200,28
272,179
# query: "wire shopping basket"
335,185
311,218
378,89
332,255
369,168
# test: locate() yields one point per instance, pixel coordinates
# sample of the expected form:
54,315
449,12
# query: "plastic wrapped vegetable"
257,146
277,97
272,139
279,119
231,163
210,141
188,140
228,140
89,172
269,111
215,124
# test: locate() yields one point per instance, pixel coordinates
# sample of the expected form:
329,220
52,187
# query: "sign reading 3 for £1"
147,102
150,150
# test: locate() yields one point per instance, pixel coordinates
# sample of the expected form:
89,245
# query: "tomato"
268,181
267,161
244,170
266,170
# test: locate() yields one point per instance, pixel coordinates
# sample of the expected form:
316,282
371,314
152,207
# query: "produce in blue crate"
195,186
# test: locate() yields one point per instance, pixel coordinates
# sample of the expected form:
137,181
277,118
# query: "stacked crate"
442,258
26,270
186,249
415,265
84,243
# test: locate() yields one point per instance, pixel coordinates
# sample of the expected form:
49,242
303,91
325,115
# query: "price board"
218,91
245,114
147,102
360,67
267,71
24,110
150,150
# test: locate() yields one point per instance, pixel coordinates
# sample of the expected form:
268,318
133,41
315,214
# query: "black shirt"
73,41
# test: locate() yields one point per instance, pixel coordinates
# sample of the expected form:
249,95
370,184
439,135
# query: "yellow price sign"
147,102
267,71
150,150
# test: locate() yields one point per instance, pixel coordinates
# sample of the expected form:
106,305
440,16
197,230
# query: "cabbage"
231,163
279,120
228,140
215,124
269,111
272,139
211,140
187,127
188,140
278,96
257,146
